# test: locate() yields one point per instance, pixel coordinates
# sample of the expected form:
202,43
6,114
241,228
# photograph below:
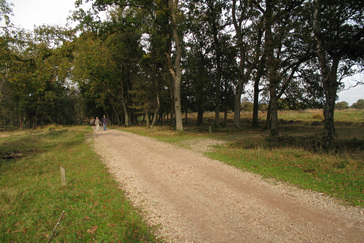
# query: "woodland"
157,59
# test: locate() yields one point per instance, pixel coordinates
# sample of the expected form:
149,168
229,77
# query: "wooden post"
210,130
63,176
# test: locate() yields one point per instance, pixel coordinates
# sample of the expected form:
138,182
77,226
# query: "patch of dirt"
11,155
196,199
203,145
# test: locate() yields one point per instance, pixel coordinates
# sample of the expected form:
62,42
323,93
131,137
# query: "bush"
247,106
342,105
358,105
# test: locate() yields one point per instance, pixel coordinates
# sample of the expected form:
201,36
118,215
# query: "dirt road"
196,199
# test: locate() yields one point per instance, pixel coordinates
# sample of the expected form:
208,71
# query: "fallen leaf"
92,230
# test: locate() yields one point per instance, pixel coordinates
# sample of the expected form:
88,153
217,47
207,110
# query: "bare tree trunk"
157,109
176,69
146,118
237,104
126,114
268,118
273,111
255,122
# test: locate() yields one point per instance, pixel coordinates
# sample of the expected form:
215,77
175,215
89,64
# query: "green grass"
336,176
32,197
350,115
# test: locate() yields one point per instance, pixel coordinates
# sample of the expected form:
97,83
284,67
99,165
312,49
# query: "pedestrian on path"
97,123
104,122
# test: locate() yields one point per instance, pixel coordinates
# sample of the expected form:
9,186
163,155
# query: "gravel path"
196,199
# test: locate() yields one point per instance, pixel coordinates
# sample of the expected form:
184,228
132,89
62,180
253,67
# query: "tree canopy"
156,59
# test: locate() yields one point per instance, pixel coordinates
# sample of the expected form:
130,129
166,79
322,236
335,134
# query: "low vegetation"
295,157
32,198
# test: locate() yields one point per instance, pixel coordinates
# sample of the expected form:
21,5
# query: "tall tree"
248,28
175,67
338,31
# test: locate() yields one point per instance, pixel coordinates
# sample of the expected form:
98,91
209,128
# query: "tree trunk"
255,122
199,115
177,104
146,118
329,79
268,119
273,111
330,87
244,71
225,105
272,70
156,111
237,105
126,114
176,70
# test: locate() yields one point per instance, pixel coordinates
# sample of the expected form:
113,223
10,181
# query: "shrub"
342,105
358,105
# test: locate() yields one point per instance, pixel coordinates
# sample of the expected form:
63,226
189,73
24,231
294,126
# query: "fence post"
63,176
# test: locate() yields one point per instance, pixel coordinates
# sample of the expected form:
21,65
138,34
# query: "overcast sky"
30,13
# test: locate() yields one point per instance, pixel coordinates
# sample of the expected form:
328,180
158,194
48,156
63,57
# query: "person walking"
104,122
97,123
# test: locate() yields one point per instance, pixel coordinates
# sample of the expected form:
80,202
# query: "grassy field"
295,157
32,198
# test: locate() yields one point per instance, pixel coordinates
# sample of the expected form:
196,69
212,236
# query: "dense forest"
157,59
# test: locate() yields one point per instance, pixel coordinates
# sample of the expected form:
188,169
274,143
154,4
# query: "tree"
358,105
175,67
284,51
342,105
36,77
338,30
249,41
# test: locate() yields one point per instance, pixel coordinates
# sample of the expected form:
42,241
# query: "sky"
30,13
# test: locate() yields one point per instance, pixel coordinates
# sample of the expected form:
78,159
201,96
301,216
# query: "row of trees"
345,105
158,58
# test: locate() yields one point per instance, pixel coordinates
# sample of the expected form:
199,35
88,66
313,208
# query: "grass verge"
32,198
337,176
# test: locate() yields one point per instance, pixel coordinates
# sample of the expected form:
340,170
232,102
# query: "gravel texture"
192,198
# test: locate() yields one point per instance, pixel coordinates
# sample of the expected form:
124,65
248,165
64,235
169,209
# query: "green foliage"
5,12
34,87
247,106
32,197
342,105
358,105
